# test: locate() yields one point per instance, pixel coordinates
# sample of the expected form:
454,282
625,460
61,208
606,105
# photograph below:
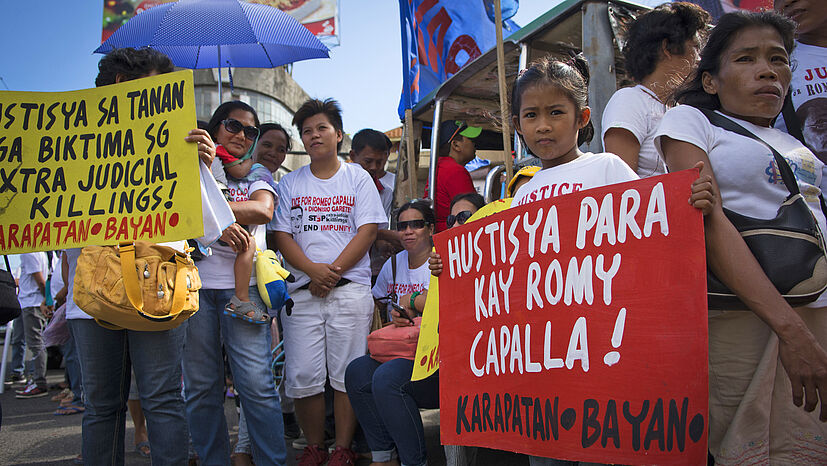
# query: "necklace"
651,94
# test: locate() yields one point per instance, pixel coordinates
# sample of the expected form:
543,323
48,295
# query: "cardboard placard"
426,361
577,327
99,166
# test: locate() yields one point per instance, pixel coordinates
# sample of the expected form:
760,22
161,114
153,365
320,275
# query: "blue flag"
439,37
508,9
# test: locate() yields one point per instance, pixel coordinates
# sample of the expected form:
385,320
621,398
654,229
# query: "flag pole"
498,26
410,151
219,76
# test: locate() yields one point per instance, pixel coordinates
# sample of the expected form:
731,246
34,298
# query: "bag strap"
786,172
791,120
393,279
8,266
731,126
393,272
133,288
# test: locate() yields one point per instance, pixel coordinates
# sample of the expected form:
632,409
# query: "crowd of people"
354,258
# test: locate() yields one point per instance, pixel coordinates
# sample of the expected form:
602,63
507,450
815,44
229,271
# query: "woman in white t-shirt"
384,399
407,275
661,49
743,75
328,216
210,329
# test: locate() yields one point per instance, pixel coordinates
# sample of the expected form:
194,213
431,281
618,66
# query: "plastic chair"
277,366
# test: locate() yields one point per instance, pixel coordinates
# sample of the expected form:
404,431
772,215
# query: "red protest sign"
580,329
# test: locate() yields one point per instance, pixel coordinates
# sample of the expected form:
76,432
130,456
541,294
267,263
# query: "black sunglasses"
234,126
459,218
414,224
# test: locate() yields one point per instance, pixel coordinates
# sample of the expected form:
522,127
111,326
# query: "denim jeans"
70,356
248,349
243,444
18,349
106,357
387,405
34,322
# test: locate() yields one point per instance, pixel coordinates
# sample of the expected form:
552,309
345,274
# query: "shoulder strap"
731,126
791,120
393,272
49,257
8,267
133,287
786,172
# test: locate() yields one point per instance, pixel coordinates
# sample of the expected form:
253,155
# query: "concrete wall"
272,82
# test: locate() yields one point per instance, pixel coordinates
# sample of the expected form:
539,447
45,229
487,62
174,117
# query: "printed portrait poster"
99,166
808,90
576,327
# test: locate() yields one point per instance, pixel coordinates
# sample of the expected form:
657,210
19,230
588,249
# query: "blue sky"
49,48
50,42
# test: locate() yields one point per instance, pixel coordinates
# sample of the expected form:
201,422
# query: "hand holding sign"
703,191
206,146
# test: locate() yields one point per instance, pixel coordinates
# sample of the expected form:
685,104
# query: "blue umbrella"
216,33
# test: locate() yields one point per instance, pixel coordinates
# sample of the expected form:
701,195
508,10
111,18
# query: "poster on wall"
574,332
321,17
716,8
99,166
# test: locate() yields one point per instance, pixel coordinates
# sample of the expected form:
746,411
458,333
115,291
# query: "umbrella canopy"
216,33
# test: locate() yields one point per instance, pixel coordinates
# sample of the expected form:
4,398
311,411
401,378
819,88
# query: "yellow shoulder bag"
137,286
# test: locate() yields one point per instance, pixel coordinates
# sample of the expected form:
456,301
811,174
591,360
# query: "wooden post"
506,120
411,154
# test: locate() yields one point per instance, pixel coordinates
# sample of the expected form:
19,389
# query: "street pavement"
32,435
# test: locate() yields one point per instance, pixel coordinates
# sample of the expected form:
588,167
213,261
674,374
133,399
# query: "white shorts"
323,335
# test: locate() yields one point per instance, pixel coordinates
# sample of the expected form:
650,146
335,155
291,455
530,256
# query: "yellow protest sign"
426,361
99,166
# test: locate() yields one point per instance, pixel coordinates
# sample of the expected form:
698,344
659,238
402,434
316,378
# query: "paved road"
32,435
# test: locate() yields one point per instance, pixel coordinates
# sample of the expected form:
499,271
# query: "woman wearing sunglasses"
384,399
234,127
463,206
231,312
415,224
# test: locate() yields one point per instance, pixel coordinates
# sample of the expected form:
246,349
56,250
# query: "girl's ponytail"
578,61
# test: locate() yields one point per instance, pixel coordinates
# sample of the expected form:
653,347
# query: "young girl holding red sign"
549,110
549,107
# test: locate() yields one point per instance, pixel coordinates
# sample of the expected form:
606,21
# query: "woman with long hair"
661,50
743,76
